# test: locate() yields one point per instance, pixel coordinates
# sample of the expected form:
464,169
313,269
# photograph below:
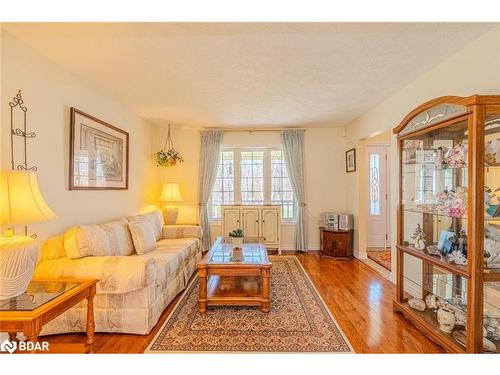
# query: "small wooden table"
43,301
239,277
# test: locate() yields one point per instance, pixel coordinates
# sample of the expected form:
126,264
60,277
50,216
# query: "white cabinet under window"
250,221
255,221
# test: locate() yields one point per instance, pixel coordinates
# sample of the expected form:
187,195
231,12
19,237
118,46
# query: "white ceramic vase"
237,242
446,320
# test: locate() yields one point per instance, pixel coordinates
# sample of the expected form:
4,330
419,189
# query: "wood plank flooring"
358,297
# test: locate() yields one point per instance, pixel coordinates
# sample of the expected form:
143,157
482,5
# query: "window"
252,176
281,189
223,191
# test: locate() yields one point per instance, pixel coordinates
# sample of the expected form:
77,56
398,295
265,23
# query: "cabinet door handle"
256,221
237,221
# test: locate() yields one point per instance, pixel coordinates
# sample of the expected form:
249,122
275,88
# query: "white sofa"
133,289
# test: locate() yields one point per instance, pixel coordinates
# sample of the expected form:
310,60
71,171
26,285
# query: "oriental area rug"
382,257
299,321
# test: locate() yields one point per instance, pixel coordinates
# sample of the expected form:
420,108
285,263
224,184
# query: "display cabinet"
448,246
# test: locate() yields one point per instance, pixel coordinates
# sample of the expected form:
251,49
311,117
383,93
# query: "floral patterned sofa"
133,289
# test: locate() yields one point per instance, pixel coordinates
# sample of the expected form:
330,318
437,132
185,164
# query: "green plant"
237,233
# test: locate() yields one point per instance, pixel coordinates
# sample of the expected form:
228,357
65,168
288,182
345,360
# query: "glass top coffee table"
43,301
235,277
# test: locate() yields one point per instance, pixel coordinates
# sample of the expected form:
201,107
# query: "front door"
378,218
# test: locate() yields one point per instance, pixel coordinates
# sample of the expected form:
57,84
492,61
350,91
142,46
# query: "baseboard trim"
359,255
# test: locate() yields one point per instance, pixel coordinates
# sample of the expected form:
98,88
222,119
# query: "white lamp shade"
21,200
171,193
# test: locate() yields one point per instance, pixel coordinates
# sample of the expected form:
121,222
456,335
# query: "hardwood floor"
358,297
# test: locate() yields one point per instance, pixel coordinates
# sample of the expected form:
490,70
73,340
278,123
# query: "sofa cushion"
155,218
119,236
143,236
106,239
116,274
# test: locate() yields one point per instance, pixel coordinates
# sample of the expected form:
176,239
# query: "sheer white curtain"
209,160
293,151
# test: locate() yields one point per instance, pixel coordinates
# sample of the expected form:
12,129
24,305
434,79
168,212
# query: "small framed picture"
350,160
98,154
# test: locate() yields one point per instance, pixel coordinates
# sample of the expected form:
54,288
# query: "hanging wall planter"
168,156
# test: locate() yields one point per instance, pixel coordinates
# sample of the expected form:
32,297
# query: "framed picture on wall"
98,154
350,160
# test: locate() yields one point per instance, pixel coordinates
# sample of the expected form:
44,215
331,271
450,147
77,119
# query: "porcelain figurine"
492,253
433,250
440,155
492,326
431,301
417,304
491,152
419,237
456,257
457,157
461,318
446,320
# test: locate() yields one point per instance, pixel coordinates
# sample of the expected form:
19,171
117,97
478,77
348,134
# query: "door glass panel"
374,184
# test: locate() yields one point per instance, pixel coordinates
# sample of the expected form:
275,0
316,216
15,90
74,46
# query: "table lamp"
21,203
170,194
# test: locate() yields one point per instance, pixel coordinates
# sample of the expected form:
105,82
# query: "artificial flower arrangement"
454,158
168,158
168,155
453,203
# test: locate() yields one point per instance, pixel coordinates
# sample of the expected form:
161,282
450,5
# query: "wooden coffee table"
238,277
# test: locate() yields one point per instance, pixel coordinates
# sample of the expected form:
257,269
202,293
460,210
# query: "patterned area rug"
382,257
299,321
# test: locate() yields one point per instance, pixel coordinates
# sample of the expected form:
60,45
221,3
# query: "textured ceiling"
249,74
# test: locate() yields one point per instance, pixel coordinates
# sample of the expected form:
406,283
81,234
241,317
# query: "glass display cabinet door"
491,249
434,193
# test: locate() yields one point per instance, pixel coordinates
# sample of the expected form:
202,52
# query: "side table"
43,301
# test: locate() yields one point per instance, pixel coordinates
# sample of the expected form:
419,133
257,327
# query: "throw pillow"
143,236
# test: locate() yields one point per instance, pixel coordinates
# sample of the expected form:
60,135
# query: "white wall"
49,92
473,70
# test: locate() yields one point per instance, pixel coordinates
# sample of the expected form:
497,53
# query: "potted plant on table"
236,238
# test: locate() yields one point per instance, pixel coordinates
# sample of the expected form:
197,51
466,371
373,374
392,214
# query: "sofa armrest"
182,231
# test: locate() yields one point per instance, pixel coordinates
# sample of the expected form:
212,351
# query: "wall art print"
98,154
